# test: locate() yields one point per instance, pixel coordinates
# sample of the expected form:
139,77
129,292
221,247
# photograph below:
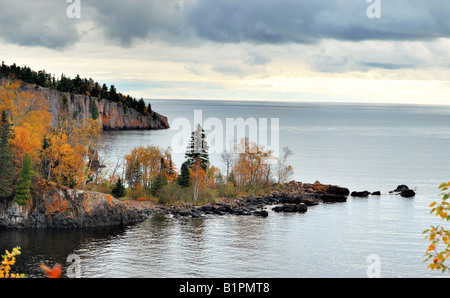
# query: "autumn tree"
6,161
439,249
29,117
143,165
23,187
252,167
198,178
198,148
284,171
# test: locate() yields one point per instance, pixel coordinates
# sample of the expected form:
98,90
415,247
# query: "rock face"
112,115
70,209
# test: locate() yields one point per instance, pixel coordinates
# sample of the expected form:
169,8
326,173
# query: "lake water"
359,146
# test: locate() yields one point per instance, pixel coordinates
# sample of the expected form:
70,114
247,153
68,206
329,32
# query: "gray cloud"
190,22
270,21
37,23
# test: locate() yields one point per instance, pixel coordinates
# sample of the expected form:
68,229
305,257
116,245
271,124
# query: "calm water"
362,147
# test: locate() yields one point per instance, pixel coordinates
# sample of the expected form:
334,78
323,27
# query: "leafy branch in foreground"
8,260
438,234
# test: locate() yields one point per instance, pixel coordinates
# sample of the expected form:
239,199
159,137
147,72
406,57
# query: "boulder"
404,191
408,193
333,199
361,194
301,208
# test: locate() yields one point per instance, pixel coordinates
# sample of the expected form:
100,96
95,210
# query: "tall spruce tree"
23,187
6,160
198,148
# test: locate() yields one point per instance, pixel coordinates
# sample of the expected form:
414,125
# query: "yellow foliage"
439,234
8,260
30,118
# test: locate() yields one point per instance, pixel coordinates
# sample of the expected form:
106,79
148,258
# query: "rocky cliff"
112,115
70,209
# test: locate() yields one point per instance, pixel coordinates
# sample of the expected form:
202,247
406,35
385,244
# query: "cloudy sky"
308,50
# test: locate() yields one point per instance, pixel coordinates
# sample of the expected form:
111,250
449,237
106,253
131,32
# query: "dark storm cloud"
191,22
271,21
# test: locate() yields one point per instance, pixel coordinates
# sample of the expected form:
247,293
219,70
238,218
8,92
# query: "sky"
386,51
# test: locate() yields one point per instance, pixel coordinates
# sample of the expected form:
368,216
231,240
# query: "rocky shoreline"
294,197
66,209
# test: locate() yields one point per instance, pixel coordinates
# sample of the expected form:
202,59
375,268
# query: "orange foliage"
252,167
198,178
30,119
54,272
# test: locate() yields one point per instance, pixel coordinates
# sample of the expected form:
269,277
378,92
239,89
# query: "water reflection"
50,246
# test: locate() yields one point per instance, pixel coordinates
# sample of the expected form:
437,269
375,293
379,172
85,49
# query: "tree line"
76,85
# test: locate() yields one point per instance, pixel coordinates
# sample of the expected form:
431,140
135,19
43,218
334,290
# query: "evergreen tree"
94,109
6,160
198,148
24,182
159,183
184,179
119,190
141,106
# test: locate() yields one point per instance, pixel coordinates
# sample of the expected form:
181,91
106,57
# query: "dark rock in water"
332,199
360,194
291,208
404,191
262,213
337,190
401,188
376,193
408,193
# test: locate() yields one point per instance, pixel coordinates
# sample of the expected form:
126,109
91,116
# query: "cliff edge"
111,115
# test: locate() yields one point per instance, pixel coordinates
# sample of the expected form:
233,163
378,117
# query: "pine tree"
158,184
24,182
185,175
6,160
119,190
198,148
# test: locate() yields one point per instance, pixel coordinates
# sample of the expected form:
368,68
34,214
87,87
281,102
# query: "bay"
359,146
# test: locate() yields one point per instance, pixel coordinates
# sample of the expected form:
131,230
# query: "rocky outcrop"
70,209
404,191
294,197
111,115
